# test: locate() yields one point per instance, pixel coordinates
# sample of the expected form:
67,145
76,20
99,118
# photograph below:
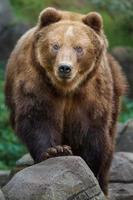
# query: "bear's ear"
48,16
94,20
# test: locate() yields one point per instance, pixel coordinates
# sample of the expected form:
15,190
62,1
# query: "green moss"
127,110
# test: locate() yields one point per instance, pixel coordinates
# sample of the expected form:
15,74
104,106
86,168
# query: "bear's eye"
56,47
78,49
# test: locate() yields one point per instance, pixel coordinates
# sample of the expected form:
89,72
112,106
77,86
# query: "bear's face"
68,51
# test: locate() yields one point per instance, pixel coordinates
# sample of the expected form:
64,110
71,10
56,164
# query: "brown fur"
81,112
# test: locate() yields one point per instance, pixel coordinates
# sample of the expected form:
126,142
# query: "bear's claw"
57,151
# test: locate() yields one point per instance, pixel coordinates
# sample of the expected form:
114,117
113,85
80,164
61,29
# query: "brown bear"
63,90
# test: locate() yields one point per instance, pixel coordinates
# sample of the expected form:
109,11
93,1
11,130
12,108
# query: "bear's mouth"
64,76
64,79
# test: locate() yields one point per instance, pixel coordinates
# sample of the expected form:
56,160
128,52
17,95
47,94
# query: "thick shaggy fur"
81,113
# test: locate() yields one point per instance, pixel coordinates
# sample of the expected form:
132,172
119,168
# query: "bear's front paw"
57,151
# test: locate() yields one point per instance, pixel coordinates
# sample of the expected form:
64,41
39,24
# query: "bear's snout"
64,70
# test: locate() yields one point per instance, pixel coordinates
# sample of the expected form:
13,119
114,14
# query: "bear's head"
69,46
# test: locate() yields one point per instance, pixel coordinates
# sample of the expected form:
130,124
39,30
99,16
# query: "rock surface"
1,195
121,177
122,168
61,178
121,191
124,140
4,177
25,161
125,57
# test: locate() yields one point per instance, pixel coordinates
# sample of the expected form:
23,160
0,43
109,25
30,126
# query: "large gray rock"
122,168
4,177
125,57
1,195
121,191
124,141
61,178
121,177
25,161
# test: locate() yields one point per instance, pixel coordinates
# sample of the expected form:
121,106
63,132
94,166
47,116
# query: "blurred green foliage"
30,9
127,110
10,147
114,7
117,9
117,15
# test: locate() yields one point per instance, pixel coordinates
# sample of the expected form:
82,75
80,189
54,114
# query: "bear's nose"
64,69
